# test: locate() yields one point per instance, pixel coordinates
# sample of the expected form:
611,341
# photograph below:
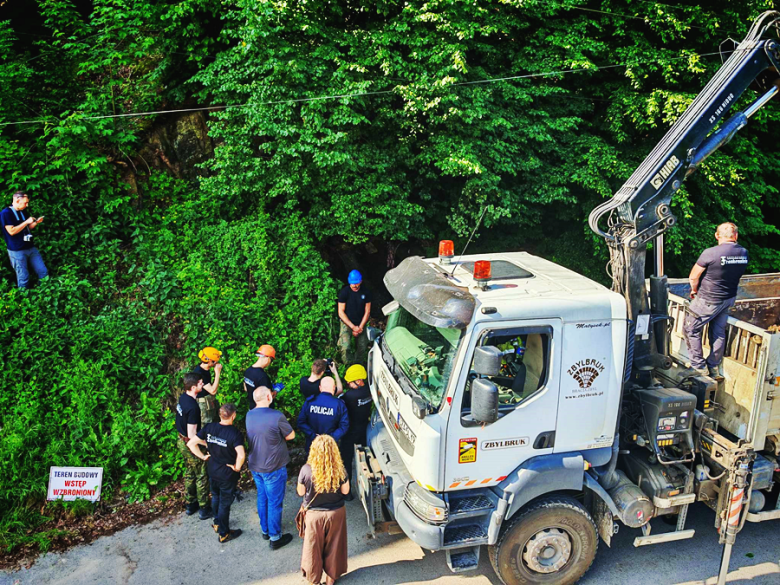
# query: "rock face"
178,145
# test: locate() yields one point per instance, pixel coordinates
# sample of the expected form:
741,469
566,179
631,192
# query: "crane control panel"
668,413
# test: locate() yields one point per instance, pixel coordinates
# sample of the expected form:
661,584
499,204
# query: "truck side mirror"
419,407
373,334
487,360
390,307
484,401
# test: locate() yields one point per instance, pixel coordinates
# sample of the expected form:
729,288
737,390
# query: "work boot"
215,527
232,535
714,372
192,507
205,513
284,540
691,371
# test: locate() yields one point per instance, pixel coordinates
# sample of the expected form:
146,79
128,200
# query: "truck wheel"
553,541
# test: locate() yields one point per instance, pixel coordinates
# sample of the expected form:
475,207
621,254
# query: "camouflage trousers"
196,477
360,354
209,410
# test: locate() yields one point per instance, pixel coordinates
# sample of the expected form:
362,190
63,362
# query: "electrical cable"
594,69
629,16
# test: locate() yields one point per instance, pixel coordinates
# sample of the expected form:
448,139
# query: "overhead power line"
595,68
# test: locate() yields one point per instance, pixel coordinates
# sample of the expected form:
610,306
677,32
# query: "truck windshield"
423,352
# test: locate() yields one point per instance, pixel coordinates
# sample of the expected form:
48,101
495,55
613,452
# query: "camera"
329,362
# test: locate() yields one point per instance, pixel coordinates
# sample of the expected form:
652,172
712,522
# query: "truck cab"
446,477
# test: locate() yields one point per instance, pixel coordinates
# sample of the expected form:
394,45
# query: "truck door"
482,456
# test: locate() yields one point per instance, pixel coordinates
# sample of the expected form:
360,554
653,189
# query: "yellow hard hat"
208,354
356,372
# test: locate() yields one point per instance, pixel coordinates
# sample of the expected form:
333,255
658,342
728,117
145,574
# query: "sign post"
75,483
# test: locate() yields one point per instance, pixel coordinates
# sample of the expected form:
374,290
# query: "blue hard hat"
355,277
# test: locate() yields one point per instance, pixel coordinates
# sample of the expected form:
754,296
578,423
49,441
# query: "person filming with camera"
310,386
17,226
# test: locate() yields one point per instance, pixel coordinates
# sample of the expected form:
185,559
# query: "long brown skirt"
325,544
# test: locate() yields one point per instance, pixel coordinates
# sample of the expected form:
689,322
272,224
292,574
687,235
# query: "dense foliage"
155,252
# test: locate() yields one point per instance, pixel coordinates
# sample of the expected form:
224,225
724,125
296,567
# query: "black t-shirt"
204,375
723,266
22,240
325,501
355,302
187,413
309,388
358,403
221,442
253,379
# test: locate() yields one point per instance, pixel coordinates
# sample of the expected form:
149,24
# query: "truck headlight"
425,505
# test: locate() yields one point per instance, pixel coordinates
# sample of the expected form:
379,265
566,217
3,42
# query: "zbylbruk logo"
585,372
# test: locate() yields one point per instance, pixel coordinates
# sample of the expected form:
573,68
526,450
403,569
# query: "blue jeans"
20,259
222,493
270,498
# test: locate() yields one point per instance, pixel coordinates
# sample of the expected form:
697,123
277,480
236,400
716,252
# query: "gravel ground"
185,550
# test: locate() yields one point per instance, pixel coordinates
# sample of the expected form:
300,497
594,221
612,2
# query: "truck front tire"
553,541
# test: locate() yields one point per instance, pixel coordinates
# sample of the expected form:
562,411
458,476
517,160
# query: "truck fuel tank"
655,480
635,507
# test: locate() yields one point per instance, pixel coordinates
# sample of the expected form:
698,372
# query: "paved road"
185,550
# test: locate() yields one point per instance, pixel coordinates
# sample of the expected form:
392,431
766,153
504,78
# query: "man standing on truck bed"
714,281
354,306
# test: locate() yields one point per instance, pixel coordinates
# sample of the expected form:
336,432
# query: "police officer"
207,402
323,414
357,399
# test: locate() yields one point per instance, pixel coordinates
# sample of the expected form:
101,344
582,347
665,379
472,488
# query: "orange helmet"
209,354
267,351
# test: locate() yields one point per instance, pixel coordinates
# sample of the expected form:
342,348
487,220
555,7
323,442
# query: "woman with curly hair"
323,484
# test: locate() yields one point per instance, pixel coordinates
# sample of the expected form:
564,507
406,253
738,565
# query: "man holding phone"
17,226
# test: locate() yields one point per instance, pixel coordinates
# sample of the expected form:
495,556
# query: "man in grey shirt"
714,281
267,433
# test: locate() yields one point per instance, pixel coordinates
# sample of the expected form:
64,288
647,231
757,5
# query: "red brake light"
446,249
482,270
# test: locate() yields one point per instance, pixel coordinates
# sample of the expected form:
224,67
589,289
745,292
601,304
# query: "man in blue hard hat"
354,303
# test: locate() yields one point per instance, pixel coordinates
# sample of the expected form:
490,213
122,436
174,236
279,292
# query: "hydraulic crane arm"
643,201
641,210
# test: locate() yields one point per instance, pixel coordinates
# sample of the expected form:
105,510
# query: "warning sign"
75,483
467,451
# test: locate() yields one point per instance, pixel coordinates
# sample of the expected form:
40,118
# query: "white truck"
522,406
